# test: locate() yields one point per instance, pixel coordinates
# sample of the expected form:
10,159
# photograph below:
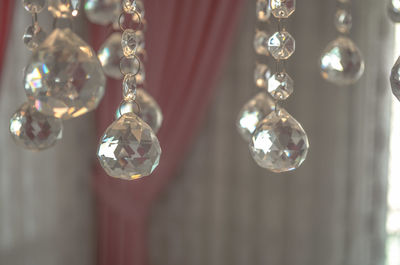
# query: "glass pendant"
279,143
110,54
150,112
64,77
33,130
129,149
102,12
394,10
252,113
342,62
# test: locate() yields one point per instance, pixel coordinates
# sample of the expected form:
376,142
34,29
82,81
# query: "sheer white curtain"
222,209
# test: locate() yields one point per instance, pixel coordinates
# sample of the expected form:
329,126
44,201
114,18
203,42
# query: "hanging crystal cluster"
276,140
129,148
342,62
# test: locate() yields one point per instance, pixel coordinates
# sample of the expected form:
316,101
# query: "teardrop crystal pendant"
110,54
279,143
150,112
342,62
394,10
252,113
129,149
33,130
64,77
395,79
102,12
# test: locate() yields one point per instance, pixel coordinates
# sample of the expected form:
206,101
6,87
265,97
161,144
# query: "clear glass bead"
282,8
130,65
110,54
129,87
394,10
281,45
33,130
132,41
261,75
129,149
33,36
343,21
262,10
132,6
34,6
342,62
252,113
64,76
261,42
395,79
150,112
102,12
279,143
280,86
64,8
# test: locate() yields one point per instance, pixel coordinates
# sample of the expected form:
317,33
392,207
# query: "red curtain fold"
6,12
186,42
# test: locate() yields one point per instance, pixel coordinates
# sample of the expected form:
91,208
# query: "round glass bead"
262,10
282,8
132,41
33,130
281,45
129,87
110,54
343,21
280,86
33,36
130,65
261,42
261,75
34,6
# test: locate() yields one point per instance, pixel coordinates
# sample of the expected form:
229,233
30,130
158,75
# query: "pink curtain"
186,43
6,11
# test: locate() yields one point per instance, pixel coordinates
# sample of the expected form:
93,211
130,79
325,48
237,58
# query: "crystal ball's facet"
280,86
33,130
129,149
150,112
110,54
263,11
64,77
343,21
395,79
282,8
342,62
261,42
102,12
132,41
34,6
64,8
279,143
33,37
394,10
261,75
281,45
252,113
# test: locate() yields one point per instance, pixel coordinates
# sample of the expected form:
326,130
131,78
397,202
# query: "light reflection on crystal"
102,12
342,62
129,149
281,45
282,8
64,8
63,77
110,54
279,143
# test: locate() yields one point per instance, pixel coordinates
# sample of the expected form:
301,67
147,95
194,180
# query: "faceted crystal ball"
33,130
110,54
252,113
150,111
129,149
395,79
279,143
102,12
64,76
281,45
342,62
282,8
394,10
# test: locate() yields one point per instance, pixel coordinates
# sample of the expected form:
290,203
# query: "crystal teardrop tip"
279,143
129,149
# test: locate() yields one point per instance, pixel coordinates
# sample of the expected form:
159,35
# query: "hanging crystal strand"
342,62
28,127
279,143
129,148
261,104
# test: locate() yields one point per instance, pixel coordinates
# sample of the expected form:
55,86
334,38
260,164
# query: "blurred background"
209,203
